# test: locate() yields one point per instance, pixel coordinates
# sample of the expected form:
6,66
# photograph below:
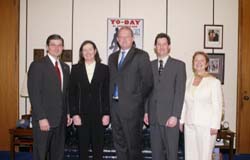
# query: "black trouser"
127,135
48,144
91,132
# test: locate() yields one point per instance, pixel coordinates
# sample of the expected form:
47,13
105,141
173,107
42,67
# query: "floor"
4,155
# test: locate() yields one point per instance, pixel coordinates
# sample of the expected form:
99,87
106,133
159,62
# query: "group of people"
127,92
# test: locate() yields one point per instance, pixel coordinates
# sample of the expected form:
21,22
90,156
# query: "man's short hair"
163,35
54,37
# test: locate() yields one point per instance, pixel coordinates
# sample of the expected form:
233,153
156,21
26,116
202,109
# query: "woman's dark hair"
97,56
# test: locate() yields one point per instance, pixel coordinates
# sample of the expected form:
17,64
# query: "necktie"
115,94
160,67
121,60
58,73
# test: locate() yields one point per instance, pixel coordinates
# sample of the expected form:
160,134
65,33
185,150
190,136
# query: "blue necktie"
115,94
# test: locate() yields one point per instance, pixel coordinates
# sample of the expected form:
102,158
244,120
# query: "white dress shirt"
90,69
164,59
120,55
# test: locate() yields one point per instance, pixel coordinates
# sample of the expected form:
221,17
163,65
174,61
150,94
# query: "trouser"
91,132
48,144
199,143
127,135
164,142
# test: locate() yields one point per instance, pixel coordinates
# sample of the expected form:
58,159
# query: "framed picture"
38,54
66,55
213,36
216,65
114,24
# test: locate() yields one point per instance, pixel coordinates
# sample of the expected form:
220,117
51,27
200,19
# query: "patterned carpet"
5,155
71,150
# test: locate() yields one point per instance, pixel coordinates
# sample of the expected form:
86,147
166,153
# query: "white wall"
185,25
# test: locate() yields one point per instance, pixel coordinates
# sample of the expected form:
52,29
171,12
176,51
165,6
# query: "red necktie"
58,74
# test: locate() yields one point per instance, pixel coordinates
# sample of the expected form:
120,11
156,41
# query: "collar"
91,64
164,59
53,60
126,52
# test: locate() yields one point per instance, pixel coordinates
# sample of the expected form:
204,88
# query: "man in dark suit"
47,86
130,83
166,101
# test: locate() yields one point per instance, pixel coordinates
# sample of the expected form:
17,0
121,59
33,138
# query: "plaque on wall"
38,54
66,55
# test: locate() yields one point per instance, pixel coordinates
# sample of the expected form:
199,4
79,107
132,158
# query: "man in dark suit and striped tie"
166,101
47,86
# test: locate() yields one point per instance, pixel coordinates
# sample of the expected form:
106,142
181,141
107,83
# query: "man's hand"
69,120
44,125
146,119
77,120
171,122
105,120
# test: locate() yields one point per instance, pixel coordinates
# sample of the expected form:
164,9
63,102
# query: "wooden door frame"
239,74
10,91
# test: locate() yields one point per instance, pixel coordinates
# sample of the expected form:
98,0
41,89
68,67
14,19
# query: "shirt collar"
91,64
164,59
53,60
126,51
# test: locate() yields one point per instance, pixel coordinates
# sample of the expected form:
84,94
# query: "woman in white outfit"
202,111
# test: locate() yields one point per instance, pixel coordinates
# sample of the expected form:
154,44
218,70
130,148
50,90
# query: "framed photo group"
216,65
213,39
213,36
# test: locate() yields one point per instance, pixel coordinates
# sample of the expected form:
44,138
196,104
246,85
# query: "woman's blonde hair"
204,55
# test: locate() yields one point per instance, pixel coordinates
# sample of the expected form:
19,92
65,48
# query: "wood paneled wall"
9,68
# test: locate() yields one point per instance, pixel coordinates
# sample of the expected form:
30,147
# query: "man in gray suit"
131,81
47,85
165,102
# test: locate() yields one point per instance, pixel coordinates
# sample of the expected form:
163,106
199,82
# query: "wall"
78,20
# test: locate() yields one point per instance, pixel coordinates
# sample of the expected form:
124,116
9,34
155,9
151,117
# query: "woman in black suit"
89,100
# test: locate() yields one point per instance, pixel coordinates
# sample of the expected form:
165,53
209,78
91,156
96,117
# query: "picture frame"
213,36
66,55
113,26
216,65
38,54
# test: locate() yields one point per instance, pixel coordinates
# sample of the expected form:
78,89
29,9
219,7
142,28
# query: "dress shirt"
120,55
164,59
90,68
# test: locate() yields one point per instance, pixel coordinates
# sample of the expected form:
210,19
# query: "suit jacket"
167,97
89,98
204,108
134,80
46,97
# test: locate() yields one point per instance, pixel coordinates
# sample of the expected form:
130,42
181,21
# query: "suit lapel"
115,59
128,58
167,68
84,74
94,78
65,73
155,68
52,71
